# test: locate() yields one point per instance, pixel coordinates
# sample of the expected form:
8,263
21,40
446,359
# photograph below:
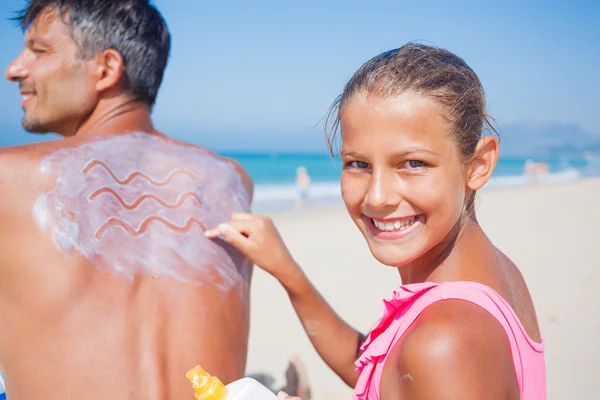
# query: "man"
108,287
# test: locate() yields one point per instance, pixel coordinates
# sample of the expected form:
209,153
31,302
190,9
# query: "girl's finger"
242,216
231,235
243,226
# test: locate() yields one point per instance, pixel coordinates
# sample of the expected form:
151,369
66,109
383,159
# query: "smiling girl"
462,325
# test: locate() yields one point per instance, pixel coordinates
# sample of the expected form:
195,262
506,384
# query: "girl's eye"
413,164
358,164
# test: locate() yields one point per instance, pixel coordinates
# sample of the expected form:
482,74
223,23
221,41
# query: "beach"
548,230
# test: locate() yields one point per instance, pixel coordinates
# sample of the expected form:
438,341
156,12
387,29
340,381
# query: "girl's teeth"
394,226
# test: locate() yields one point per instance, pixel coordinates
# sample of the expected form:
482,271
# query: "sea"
274,176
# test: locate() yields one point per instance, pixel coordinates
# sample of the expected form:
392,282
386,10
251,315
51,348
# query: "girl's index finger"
212,233
241,216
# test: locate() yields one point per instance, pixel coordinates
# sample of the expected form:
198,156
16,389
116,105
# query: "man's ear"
110,69
483,162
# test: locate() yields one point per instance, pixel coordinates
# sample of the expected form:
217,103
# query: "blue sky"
260,75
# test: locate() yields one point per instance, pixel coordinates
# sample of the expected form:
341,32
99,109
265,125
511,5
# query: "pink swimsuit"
406,305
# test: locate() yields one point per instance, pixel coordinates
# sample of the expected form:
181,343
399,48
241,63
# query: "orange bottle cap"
205,386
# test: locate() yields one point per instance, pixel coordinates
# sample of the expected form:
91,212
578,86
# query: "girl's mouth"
396,228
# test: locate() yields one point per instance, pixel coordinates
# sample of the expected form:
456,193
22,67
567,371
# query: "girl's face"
403,181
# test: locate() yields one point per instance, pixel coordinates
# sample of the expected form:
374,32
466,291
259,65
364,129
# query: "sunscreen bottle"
207,387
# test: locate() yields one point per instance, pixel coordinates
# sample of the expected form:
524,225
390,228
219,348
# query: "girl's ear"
483,162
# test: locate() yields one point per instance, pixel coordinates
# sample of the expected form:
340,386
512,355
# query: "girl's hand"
258,239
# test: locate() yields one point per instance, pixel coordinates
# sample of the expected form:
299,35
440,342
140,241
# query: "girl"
462,325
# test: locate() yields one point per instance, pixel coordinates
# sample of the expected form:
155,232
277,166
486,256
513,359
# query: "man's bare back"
109,288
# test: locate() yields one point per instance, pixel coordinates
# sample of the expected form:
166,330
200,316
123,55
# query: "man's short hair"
134,28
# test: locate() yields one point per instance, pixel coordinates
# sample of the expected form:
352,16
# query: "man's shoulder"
241,171
20,179
20,171
31,149
236,166
209,153
25,155
15,160
239,168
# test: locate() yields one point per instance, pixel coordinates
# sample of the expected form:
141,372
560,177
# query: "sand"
548,230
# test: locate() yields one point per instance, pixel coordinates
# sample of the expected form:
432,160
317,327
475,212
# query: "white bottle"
248,389
208,387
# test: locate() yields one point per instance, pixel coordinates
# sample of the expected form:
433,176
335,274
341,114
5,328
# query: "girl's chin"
394,256
390,260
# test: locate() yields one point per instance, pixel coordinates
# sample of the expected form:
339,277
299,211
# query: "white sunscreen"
139,204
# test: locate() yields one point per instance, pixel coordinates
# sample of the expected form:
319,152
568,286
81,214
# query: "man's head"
79,52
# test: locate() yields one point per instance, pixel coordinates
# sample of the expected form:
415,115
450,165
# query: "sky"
261,75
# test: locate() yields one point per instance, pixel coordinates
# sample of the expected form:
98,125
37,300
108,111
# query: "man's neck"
112,117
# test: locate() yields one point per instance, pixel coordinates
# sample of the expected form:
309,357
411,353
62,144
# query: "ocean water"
274,176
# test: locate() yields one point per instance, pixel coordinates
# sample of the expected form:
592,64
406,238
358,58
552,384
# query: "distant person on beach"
302,183
535,171
110,289
462,325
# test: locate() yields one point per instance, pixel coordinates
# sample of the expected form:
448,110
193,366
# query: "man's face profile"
54,82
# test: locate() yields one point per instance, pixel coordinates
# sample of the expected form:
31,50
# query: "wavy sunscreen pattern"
139,204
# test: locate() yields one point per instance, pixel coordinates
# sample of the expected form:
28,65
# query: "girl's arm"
336,342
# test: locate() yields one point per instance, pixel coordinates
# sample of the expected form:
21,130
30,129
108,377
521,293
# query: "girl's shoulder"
435,339
453,343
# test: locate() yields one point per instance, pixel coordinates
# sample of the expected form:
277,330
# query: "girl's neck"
445,261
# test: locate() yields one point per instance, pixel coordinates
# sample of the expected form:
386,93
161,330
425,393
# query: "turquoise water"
274,176
274,168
